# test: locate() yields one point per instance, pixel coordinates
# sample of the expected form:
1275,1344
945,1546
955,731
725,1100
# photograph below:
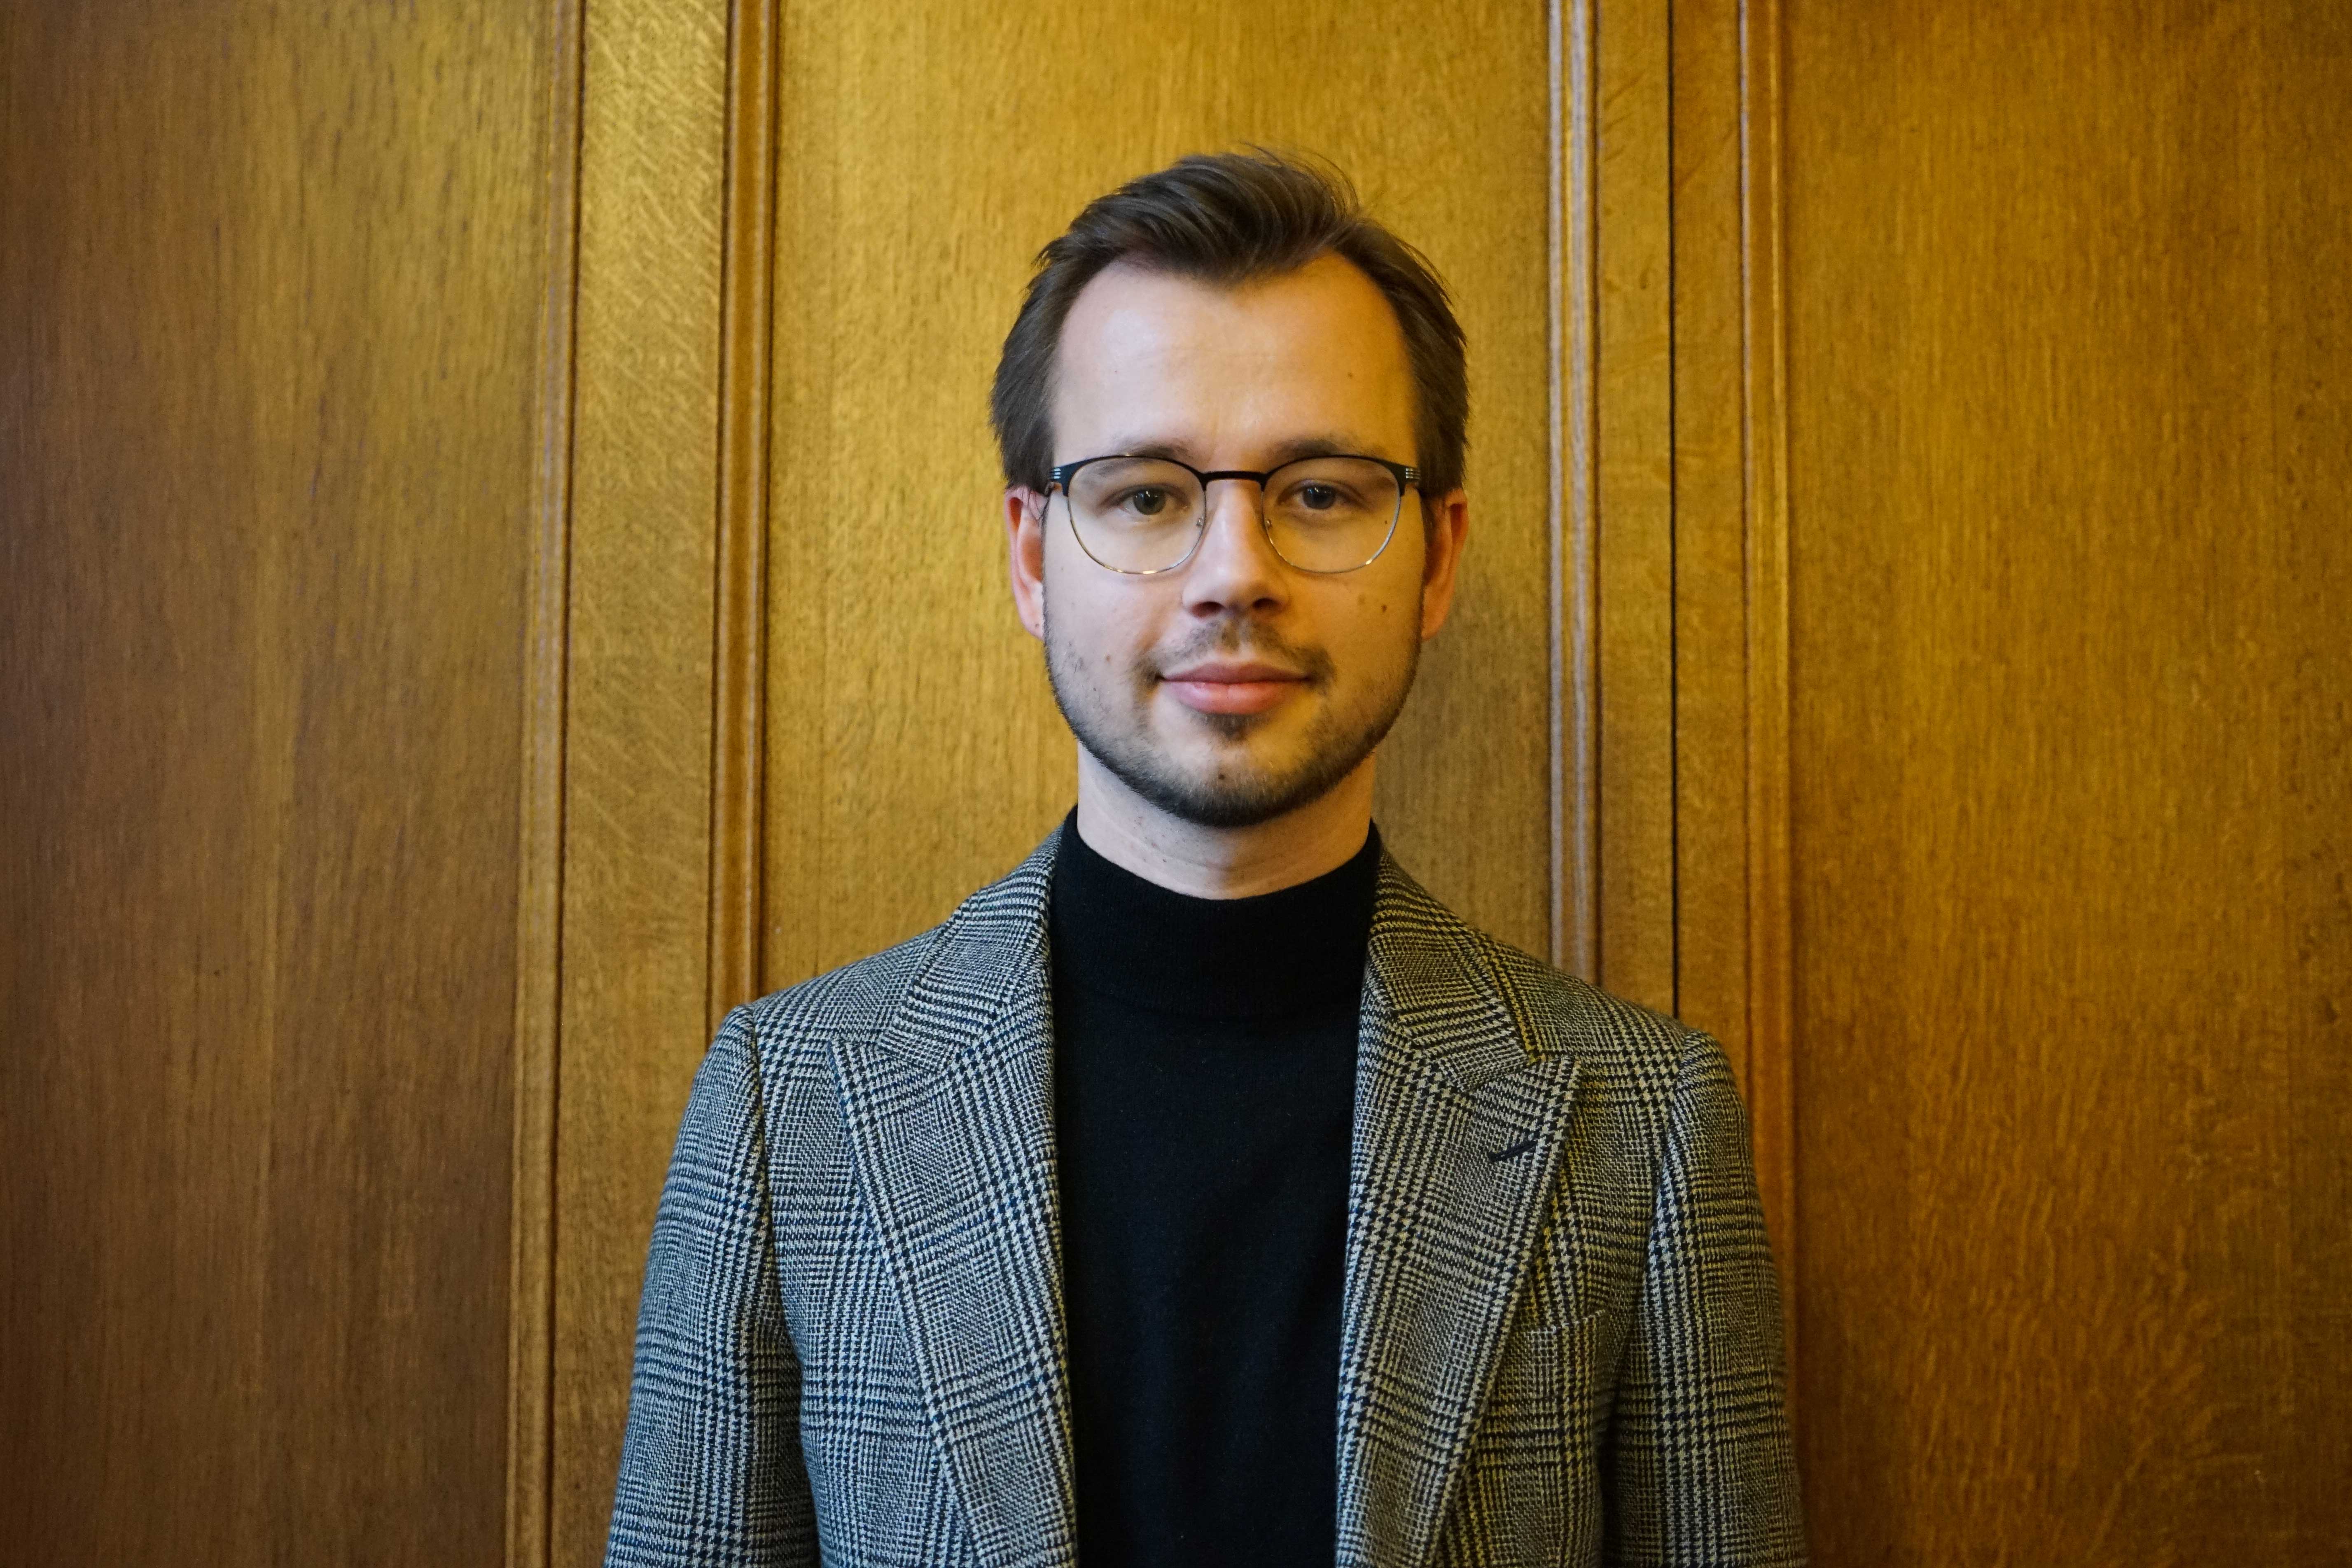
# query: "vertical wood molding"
1620,912
638,696
1575,628
1710,542
530,1380
1613,916
1633,534
1555,474
739,673
1770,1009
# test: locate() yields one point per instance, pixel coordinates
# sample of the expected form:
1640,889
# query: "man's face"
1236,688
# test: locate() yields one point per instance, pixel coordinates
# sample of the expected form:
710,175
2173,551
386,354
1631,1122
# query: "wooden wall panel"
2306,120
1723,628
269,282
1632,536
1768,1050
540,831
739,603
635,969
538,848
2069,462
925,154
1708,649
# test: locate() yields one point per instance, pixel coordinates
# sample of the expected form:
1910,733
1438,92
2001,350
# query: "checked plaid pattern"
1560,1342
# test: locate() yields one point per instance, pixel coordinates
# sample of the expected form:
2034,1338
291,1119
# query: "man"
1204,1191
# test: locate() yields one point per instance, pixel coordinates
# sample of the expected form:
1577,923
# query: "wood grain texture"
1771,1044
539,845
2306,120
1634,534
2070,423
638,794
1728,613
739,656
269,282
1576,488
1709,600
914,751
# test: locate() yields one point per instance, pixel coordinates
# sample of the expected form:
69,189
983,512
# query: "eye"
1148,501
1325,498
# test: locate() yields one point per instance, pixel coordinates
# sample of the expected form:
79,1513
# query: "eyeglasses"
1142,516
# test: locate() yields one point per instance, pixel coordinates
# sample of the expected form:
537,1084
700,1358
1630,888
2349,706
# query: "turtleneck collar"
1298,948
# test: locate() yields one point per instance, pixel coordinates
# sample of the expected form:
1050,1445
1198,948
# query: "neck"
1222,862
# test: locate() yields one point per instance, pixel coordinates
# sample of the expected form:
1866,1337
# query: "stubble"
1107,716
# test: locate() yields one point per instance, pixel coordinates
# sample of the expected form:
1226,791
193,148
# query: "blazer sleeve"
710,1467
1700,1467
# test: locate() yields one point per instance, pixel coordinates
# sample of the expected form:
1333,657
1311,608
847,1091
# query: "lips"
1219,686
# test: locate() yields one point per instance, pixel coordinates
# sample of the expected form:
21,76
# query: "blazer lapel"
1459,1114
950,1117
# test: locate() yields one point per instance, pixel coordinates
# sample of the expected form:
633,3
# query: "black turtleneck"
1205,1090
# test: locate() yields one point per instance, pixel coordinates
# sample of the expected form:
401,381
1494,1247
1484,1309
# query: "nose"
1234,569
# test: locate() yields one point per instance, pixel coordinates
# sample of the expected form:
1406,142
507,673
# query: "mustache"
1231,640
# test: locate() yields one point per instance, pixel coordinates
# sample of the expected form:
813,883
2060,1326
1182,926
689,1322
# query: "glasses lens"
1136,514
1331,514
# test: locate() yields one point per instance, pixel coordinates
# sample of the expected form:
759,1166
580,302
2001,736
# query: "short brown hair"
1226,218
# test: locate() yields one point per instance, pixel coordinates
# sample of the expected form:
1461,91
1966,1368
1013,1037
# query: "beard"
1235,790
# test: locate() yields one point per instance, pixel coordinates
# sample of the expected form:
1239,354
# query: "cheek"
1380,617
1092,616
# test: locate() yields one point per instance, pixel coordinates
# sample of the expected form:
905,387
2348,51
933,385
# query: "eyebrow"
1289,451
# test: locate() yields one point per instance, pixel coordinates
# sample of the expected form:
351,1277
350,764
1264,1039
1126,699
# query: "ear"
1447,538
1025,549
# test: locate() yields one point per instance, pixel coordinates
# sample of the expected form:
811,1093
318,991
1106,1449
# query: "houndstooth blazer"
1560,1335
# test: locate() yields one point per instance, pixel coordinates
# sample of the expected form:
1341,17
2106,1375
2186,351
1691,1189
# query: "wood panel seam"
1575,489
1555,559
530,1449
1771,1047
1673,566
739,672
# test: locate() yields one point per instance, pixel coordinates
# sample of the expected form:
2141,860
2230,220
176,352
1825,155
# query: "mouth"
1227,686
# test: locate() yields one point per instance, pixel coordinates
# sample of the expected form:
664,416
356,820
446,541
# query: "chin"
1221,769
1232,728
1228,803
1229,784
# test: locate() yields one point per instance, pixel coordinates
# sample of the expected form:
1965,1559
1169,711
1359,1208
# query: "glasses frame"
1407,478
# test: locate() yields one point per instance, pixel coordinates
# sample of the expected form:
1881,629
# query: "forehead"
1154,356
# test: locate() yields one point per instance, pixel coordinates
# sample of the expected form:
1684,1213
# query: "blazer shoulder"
1576,1001
1607,1033
849,1001
1557,1013
847,1004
